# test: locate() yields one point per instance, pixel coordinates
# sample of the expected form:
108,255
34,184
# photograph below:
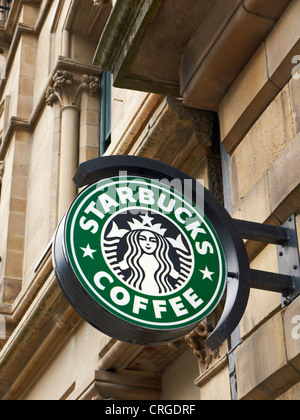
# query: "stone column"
66,90
69,156
66,43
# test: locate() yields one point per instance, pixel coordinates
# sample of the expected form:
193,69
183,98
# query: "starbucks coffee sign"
145,253
138,258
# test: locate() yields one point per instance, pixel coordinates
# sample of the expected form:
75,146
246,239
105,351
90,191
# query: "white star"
207,274
147,220
88,252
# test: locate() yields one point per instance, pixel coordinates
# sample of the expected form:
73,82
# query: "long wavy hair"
135,252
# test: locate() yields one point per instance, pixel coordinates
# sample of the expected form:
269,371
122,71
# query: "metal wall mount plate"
288,261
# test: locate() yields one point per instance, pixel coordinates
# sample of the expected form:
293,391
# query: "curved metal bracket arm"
238,286
238,291
91,171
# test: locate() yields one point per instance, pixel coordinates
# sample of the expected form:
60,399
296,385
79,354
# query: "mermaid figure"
146,262
148,258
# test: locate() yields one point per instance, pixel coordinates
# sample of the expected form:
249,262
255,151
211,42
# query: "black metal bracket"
285,237
231,232
288,261
238,287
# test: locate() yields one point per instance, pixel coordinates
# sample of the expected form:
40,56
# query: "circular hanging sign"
139,259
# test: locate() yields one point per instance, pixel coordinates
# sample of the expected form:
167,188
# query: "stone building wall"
235,128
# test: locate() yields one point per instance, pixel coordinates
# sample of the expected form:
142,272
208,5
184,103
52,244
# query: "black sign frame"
239,276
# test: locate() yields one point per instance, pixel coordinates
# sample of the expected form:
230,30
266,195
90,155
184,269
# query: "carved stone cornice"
66,88
128,385
173,127
48,323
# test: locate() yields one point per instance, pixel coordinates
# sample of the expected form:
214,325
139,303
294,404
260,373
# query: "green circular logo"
145,253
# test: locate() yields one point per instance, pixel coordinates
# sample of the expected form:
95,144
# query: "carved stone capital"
196,340
124,385
90,84
66,88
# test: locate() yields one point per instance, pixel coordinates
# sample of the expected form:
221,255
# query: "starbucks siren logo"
145,256
145,253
